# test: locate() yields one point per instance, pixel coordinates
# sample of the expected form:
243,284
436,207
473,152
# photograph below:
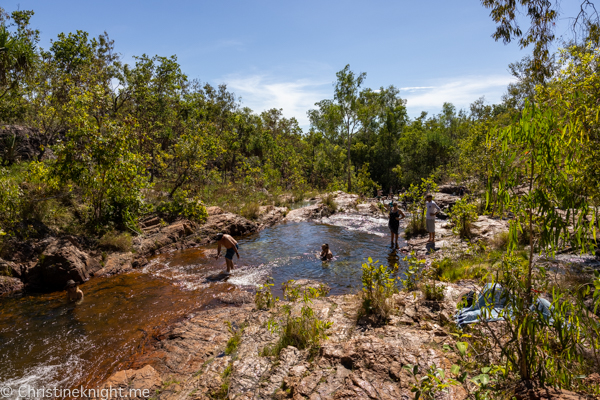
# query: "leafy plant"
378,286
463,214
412,273
415,199
263,298
329,201
293,291
116,241
303,332
251,210
235,339
180,205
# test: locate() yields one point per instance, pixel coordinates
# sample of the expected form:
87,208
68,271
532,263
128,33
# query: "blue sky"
285,54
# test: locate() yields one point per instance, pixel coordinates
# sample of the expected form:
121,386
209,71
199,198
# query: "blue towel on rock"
492,305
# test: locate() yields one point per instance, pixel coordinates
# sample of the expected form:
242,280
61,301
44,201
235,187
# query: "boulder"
60,262
22,143
214,210
228,223
116,263
8,268
9,285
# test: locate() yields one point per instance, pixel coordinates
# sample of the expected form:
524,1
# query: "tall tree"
341,117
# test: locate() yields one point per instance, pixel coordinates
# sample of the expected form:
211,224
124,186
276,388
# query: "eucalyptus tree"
340,118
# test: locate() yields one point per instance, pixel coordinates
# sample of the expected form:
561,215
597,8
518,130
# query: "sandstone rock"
60,262
22,143
138,384
214,210
270,215
164,237
9,285
9,268
228,223
116,263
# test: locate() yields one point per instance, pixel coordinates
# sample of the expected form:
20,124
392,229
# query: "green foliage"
263,299
329,201
251,210
378,286
180,205
293,291
235,339
463,214
413,272
415,198
453,270
116,241
11,198
433,291
432,384
364,184
303,332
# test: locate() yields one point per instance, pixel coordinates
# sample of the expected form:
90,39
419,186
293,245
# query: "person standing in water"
432,210
326,253
394,222
232,248
74,294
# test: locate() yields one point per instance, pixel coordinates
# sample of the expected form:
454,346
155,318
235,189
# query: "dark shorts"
231,252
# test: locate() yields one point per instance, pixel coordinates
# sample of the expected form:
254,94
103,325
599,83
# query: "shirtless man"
232,248
74,294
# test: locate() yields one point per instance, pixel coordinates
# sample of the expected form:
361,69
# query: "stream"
46,342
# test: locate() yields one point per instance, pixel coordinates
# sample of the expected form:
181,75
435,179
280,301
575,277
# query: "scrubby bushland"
378,286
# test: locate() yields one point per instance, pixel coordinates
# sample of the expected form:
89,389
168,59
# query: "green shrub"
292,291
263,299
181,206
303,332
378,286
412,273
250,210
463,214
415,198
500,241
11,199
433,291
116,241
235,339
329,201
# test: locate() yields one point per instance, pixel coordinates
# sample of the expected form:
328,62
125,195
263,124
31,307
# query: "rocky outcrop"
177,231
312,212
116,263
270,215
231,224
10,285
355,362
61,261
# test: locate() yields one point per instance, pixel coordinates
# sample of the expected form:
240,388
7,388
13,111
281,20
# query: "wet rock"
60,262
10,285
132,383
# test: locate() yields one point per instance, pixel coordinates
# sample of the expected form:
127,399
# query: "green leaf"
455,369
462,348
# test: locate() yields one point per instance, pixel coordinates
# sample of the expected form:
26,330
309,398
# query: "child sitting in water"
325,254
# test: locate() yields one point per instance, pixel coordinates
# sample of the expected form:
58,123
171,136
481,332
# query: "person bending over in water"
325,254
74,294
394,222
232,248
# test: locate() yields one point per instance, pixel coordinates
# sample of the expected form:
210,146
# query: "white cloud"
262,92
461,92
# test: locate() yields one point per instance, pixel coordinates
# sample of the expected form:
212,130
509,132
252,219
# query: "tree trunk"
348,157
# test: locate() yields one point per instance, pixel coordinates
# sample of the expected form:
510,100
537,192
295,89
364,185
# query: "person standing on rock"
74,294
431,212
394,222
232,248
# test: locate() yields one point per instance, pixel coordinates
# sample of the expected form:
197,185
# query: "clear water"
46,342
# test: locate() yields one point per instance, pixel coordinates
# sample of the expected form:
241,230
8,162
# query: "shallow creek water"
46,343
